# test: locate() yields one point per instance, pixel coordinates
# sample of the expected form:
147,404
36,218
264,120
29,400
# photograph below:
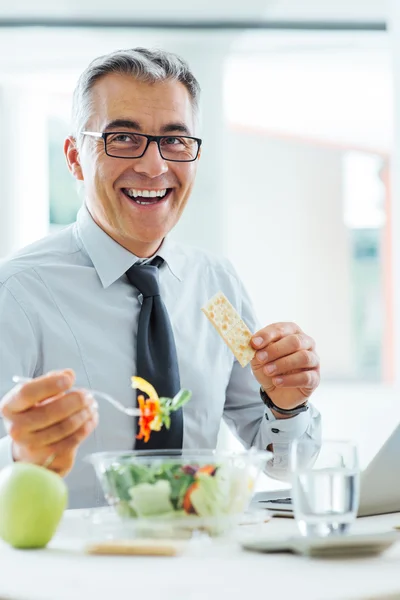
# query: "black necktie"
156,359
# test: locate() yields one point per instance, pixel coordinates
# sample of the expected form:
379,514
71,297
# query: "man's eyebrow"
123,123
178,127
128,124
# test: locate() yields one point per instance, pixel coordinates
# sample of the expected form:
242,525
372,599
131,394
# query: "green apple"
32,502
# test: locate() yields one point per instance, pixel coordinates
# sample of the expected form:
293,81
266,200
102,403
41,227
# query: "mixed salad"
168,489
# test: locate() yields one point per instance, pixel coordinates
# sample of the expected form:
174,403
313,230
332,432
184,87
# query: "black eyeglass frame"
150,138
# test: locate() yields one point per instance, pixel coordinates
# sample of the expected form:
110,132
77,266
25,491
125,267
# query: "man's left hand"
285,364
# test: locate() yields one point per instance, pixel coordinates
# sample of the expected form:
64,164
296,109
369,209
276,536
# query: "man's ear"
72,156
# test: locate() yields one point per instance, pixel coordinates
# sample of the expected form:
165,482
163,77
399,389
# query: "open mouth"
147,197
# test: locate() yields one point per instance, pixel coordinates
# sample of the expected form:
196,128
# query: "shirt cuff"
6,456
282,431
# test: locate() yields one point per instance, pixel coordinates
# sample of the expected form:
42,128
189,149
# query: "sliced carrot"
209,469
187,503
149,418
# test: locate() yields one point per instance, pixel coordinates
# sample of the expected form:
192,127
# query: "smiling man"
112,296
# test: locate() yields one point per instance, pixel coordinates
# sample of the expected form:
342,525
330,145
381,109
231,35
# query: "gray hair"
146,65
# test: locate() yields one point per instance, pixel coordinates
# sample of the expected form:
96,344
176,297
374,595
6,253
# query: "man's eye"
121,137
173,141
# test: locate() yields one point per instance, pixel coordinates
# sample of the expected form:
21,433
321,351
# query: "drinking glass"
326,482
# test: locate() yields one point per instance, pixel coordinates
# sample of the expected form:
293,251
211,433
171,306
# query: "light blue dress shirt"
65,301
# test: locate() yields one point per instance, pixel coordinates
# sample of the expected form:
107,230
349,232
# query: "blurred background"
298,178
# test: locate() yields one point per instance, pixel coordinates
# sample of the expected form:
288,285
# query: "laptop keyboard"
279,501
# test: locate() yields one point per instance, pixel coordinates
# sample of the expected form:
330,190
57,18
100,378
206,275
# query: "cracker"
230,326
221,312
137,547
238,340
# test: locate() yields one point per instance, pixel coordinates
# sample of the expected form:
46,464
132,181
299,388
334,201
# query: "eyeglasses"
121,144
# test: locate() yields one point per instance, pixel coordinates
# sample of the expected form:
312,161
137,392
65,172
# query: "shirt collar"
110,259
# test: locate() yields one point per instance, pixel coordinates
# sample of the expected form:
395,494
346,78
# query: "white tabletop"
208,570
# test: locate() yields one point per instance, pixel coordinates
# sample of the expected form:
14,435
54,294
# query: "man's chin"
143,244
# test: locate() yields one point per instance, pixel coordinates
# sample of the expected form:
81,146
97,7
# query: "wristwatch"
291,412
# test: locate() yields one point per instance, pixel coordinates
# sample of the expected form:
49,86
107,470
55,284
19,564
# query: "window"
63,190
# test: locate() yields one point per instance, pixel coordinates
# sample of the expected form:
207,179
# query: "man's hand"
44,420
285,364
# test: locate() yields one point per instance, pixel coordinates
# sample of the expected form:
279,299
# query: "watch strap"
291,412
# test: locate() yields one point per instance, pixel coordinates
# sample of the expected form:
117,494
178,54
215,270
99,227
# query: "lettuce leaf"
212,496
148,499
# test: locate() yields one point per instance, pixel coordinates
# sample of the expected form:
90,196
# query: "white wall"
286,235
24,202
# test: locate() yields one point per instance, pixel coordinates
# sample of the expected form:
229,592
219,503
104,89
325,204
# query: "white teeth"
146,193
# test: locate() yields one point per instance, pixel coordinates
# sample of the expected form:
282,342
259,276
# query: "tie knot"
145,278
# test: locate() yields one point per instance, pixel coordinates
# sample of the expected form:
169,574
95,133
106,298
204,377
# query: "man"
75,314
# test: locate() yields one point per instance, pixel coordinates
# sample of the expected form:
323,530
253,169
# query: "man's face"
121,103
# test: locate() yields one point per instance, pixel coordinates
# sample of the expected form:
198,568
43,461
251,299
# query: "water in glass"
325,488
326,501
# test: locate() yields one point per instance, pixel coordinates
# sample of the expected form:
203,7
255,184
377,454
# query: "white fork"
131,412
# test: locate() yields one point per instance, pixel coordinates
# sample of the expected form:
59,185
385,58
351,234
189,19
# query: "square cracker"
230,326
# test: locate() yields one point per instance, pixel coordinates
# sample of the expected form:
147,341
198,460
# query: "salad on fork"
153,412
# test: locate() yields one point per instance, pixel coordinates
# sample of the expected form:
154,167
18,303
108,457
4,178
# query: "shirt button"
275,430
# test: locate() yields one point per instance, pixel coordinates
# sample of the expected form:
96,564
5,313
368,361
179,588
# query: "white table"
212,570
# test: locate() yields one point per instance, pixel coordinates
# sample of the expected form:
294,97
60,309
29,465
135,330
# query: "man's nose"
151,163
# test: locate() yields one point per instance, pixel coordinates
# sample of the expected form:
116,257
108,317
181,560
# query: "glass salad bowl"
172,492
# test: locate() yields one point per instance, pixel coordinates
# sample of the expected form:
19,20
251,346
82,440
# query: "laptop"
379,485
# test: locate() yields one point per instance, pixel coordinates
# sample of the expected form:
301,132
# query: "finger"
58,432
302,360
50,413
307,381
285,347
65,450
273,333
75,438
23,397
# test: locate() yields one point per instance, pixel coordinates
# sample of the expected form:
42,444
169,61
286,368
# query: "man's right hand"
44,419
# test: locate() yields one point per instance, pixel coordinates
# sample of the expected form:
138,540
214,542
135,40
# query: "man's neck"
139,250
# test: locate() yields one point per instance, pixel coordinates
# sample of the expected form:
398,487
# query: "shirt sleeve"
18,355
6,457
253,422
